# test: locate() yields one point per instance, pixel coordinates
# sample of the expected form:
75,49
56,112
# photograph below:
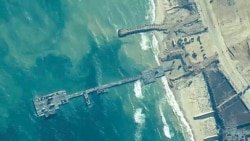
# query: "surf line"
171,98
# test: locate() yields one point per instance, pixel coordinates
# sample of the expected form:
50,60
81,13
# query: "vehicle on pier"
47,105
102,91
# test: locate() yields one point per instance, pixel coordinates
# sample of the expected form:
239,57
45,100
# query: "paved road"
209,19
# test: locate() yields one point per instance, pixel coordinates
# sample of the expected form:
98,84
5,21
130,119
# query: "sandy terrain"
233,19
193,97
194,100
159,18
227,64
226,38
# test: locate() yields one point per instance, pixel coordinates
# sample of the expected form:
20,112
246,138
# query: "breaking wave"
155,49
169,94
151,12
138,116
137,89
145,42
166,129
171,98
172,102
139,119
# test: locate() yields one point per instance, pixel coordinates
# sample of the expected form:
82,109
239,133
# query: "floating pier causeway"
48,105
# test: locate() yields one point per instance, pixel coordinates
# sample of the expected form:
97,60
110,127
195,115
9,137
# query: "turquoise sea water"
48,45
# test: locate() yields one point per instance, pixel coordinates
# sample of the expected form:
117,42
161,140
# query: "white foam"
176,109
171,98
169,94
138,135
166,129
137,89
145,42
139,117
155,49
151,11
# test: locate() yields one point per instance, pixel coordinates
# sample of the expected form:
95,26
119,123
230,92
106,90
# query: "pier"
170,27
145,28
48,105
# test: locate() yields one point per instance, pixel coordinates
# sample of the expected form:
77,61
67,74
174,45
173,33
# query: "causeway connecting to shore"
48,104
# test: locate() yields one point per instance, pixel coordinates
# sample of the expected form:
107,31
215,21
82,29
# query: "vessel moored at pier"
48,104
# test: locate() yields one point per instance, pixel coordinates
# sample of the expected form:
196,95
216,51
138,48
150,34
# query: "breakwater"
140,29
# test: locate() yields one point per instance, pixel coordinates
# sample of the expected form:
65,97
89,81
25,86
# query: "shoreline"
182,100
178,110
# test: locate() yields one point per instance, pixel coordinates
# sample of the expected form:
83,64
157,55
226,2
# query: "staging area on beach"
208,44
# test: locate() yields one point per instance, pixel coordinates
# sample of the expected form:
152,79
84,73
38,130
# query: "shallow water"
46,46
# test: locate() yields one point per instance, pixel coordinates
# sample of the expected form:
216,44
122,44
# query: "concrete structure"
145,28
47,105
204,115
245,98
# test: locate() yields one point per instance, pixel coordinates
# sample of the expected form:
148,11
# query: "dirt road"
227,64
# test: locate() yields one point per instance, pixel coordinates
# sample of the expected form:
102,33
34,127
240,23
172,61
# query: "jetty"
48,105
140,29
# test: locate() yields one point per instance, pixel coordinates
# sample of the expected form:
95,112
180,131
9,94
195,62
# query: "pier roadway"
104,88
169,27
146,28
48,104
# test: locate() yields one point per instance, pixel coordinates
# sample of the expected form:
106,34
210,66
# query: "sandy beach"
159,19
160,7
194,96
194,101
